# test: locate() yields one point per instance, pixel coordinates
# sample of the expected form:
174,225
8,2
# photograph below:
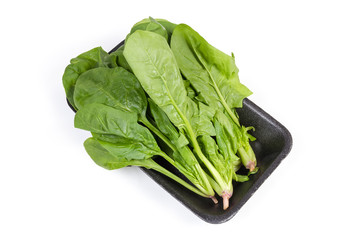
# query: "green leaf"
189,89
104,158
94,58
211,72
133,140
154,65
156,27
144,25
165,126
241,178
114,87
201,121
214,76
119,58
228,138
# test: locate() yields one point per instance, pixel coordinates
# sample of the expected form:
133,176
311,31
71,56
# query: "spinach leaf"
228,138
119,58
189,89
155,67
117,88
165,126
154,25
133,140
114,87
153,63
201,121
214,76
94,58
130,143
105,158
210,71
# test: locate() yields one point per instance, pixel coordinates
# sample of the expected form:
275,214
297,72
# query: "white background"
300,58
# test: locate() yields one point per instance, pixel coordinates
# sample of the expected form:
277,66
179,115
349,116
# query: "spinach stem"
207,188
247,157
203,158
180,181
157,132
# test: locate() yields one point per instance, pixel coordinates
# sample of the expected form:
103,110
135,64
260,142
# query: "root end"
251,166
214,199
226,198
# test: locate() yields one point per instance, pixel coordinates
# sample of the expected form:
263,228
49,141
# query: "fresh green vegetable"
124,141
104,158
166,94
119,59
154,64
214,75
94,58
154,25
120,89
115,87
183,154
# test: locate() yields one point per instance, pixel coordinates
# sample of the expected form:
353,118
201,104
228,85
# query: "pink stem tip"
226,198
214,199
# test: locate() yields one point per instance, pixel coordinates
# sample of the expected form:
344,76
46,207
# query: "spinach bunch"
169,94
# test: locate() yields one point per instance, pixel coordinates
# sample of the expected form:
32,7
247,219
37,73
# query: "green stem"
180,181
208,188
156,131
202,157
167,158
214,185
216,175
183,171
197,148
247,157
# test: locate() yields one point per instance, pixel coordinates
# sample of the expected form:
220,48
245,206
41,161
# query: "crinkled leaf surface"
154,65
211,72
144,25
114,87
119,58
228,138
133,140
104,158
93,58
